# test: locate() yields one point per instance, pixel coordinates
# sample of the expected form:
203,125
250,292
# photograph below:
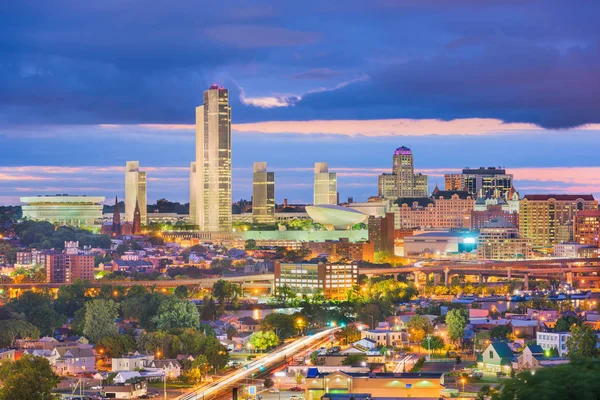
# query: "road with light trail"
207,392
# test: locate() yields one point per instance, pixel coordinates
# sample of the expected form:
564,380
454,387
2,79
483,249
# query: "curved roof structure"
336,217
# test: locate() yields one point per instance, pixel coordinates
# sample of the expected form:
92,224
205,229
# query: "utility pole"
429,345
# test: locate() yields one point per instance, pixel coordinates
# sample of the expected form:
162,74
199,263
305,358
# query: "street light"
463,381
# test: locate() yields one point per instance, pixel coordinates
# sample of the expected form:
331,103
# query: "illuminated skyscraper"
193,192
135,191
403,182
263,194
213,161
325,185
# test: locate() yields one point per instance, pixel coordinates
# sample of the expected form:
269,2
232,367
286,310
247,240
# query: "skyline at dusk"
507,84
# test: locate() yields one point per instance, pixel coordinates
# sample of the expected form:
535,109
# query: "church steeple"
116,221
137,219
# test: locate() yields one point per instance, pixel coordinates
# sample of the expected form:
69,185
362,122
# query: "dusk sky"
87,85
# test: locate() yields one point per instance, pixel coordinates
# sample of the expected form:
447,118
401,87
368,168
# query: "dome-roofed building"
335,217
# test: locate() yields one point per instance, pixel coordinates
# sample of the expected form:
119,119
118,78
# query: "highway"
209,391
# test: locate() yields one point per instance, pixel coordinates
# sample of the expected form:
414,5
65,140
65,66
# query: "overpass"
563,269
246,281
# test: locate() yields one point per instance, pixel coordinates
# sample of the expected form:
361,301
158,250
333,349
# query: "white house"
551,340
169,368
131,363
124,376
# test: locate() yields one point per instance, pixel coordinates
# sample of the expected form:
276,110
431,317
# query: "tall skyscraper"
403,182
193,192
213,161
325,185
487,180
263,194
135,191
381,232
454,181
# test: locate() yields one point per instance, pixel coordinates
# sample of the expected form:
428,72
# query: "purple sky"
86,86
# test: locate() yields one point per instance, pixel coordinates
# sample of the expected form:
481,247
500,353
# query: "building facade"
325,186
192,214
213,161
381,233
487,180
135,191
332,280
586,227
67,268
553,340
263,194
64,209
453,182
547,219
500,240
446,210
342,249
402,182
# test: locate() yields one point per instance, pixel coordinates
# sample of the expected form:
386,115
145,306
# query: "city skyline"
456,93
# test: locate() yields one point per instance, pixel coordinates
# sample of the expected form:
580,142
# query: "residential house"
553,340
534,357
72,360
388,337
242,339
131,363
168,367
497,357
248,324
124,376
7,355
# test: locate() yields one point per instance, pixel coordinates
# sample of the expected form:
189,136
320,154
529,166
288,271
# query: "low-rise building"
168,367
126,390
500,240
131,363
332,280
534,357
497,357
248,324
553,340
387,337
376,385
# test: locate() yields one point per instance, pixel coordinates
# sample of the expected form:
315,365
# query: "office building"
479,218
213,161
342,249
500,240
453,182
487,180
193,192
547,219
67,268
64,209
381,233
332,280
263,194
575,250
402,182
439,243
135,191
325,189
586,227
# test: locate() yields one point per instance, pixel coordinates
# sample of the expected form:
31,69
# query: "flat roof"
63,199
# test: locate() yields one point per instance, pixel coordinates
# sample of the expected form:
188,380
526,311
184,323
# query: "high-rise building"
213,161
70,265
486,180
453,181
499,240
263,194
193,192
547,219
403,182
135,191
381,232
586,227
325,191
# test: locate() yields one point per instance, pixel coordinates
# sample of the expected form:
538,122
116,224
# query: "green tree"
100,318
263,340
348,335
418,327
12,329
231,331
181,292
198,369
574,381
564,323
500,332
37,311
29,378
208,310
582,342
175,313
284,294
283,324
456,322
163,343
435,343
71,298
250,244
116,346
268,383
354,359
226,292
